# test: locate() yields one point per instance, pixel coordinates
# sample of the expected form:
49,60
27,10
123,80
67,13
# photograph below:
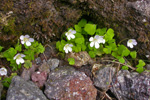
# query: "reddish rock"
65,83
39,78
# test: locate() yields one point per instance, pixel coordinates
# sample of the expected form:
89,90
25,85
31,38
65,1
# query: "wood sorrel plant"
17,55
85,36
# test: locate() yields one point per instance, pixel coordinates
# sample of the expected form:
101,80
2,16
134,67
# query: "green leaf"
109,34
40,48
92,54
29,54
141,63
101,32
78,28
115,54
79,40
90,28
1,48
107,50
9,54
140,69
82,23
83,47
58,43
28,64
121,60
125,67
18,47
133,54
123,50
71,61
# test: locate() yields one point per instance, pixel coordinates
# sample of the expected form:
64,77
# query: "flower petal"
91,39
27,36
96,45
28,43
31,40
21,37
68,37
21,60
91,44
73,32
66,50
69,49
22,55
70,45
18,61
72,36
22,42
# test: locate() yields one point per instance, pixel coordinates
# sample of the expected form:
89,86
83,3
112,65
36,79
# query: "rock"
131,86
103,76
53,63
38,60
39,78
1,88
44,67
81,58
24,90
65,83
26,74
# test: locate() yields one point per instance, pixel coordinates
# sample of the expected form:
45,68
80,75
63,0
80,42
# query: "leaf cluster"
85,30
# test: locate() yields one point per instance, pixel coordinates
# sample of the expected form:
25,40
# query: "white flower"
70,34
131,42
68,48
26,39
96,41
3,71
19,58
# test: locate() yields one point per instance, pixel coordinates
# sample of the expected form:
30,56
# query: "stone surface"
65,83
131,86
44,67
24,90
39,78
103,75
81,58
129,19
53,63
26,74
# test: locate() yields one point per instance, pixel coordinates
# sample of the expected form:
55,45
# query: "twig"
122,64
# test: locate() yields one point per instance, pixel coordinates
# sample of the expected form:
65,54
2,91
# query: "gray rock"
53,63
44,67
103,77
22,90
131,86
38,60
142,6
1,88
65,83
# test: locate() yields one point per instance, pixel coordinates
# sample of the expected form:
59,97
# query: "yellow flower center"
25,39
18,56
130,41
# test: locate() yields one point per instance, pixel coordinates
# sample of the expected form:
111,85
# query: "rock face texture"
131,86
46,20
23,90
65,83
103,77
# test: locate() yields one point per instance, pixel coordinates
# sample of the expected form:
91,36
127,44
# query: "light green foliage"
71,61
85,30
133,54
1,48
29,51
28,64
90,28
140,66
7,80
